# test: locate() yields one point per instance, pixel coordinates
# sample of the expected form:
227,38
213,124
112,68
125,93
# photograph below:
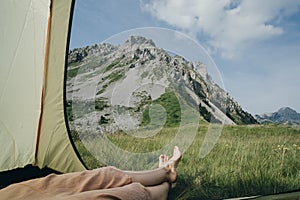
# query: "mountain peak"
284,115
139,40
286,110
139,64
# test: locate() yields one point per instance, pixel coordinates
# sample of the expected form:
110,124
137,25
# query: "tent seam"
44,83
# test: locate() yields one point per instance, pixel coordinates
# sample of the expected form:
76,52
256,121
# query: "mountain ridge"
149,71
284,115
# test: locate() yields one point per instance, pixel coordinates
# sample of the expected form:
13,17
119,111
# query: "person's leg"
149,178
165,173
159,192
133,191
71,183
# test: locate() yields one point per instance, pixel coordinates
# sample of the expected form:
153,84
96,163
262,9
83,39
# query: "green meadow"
247,160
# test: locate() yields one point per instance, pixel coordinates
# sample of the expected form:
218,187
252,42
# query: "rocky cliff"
133,76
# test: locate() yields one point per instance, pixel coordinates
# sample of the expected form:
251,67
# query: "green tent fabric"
33,47
54,148
23,44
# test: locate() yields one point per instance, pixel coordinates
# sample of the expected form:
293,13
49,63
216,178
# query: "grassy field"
247,160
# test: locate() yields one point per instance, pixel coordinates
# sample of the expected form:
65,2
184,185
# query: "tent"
33,130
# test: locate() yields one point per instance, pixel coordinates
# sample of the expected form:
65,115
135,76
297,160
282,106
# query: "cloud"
229,25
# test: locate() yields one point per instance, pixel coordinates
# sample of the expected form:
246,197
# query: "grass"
172,107
116,63
247,160
93,65
72,72
115,76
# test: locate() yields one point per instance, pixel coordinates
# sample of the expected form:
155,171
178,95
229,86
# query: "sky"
254,44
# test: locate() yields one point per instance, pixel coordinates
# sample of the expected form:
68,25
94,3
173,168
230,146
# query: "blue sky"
255,44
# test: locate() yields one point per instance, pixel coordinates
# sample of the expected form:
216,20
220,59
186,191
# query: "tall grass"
247,160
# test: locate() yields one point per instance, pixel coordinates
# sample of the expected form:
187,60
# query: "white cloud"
230,25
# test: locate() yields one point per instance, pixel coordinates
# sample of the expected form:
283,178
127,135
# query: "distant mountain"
284,115
106,74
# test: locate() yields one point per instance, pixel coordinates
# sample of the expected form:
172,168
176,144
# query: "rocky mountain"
117,86
284,115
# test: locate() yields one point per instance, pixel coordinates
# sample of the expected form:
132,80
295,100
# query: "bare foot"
163,160
170,164
175,158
